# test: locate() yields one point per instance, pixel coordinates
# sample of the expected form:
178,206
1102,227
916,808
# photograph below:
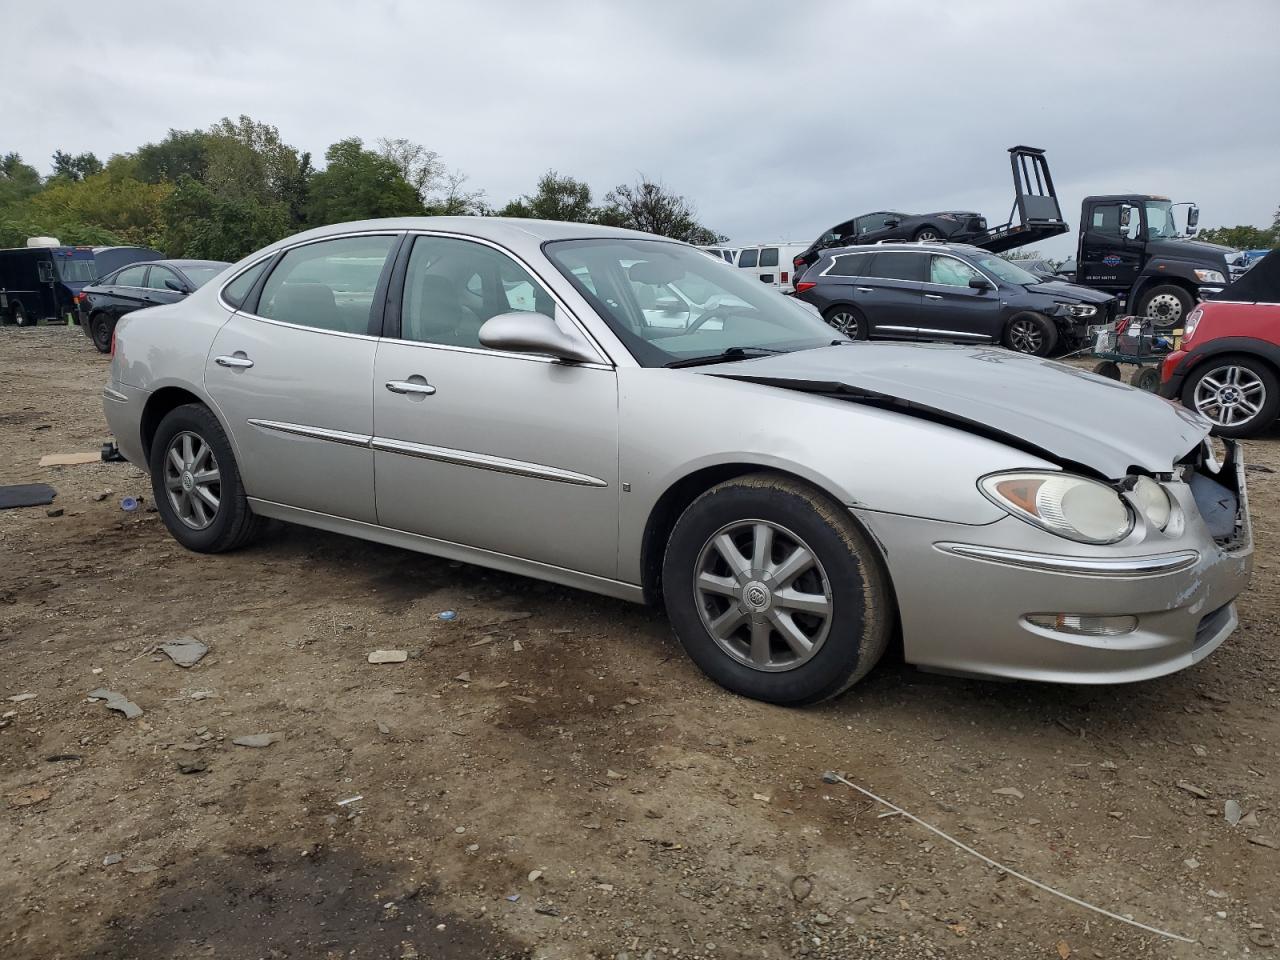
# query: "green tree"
75,168
247,161
557,198
202,225
1242,237
110,201
19,181
647,205
359,184
181,152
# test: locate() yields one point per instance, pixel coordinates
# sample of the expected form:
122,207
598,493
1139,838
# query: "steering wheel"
722,313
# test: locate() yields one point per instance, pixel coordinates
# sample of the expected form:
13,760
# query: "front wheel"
775,592
1166,306
1031,333
100,329
196,484
1239,394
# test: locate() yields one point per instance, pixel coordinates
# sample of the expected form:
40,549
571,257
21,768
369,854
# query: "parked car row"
617,412
44,280
102,303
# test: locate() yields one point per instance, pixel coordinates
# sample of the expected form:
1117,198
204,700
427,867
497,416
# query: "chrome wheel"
192,480
846,322
1230,396
763,595
927,235
1164,310
1025,336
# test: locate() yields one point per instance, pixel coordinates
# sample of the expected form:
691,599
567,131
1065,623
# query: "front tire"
100,329
775,592
1166,306
196,483
1031,333
1237,393
850,321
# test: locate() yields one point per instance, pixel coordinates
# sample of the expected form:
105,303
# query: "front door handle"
239,362
865,289
932,296
422,389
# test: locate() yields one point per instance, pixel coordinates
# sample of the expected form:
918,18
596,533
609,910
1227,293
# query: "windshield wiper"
726,356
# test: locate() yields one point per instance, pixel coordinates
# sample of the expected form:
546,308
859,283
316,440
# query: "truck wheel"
1166,305
100,328
1031,333
20,316
775,592
1239,394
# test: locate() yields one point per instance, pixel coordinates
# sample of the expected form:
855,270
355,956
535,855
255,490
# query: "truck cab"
1131,246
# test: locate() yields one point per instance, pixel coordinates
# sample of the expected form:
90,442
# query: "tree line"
221,193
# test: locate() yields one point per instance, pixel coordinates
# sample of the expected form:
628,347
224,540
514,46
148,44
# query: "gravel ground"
546,775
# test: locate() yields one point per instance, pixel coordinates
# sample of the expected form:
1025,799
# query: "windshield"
668,302
77,271
1160,221
1006,271
200,275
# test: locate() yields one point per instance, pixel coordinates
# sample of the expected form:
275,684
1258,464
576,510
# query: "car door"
507,452
158,290
874,227
291,372
889,293
1111,254
128,290
950,309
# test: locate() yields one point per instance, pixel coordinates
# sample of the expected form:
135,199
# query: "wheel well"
158,406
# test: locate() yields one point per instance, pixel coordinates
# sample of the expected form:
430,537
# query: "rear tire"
757,616
850,321
100,329
1253,381
1031,333
20,316
1166,306
927,234
195,522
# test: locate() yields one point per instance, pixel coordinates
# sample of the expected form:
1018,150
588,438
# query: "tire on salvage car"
753,613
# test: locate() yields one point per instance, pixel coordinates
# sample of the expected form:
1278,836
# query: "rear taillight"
804,285
798,263
786,277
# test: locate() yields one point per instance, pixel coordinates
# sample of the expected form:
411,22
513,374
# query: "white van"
771,262
724,253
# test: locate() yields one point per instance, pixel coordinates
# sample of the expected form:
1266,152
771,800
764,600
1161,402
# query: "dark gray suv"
936,291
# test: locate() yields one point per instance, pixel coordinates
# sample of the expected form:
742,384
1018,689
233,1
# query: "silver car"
617,412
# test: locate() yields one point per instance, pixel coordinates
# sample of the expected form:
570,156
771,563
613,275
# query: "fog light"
1084,626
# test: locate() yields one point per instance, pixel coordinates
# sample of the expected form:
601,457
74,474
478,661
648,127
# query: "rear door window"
236,291
899,266
156,280
131,276
328,285
747,258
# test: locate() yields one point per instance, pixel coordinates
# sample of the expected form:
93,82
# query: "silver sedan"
617,412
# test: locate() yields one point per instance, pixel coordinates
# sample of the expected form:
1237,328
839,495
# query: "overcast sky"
777,119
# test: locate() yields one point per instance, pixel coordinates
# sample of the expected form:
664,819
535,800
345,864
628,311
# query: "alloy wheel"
1026,336
1164,310
192,480
763,595
1230,396
845,322
927,235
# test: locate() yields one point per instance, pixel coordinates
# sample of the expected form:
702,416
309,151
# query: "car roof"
893,245
497,229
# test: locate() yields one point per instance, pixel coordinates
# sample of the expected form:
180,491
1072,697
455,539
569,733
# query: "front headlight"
1083,310
1153,501
1073,507
1210,276
1193,321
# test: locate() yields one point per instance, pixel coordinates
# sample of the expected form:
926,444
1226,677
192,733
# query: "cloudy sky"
776,119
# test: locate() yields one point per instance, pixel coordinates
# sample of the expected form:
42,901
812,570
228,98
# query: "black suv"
935,291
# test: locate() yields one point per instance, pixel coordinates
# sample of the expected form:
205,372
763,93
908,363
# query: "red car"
1228,364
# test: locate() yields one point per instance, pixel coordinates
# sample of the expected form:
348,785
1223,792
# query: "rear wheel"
100,329
1239,394
849,321
927,233
1031,333
1166,306
775,592
20,316
196,484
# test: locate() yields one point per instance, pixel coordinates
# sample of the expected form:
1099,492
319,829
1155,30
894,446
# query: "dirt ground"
547,775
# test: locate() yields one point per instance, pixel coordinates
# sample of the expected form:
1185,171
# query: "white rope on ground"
831,777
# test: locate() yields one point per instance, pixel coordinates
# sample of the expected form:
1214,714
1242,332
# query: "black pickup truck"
1130,245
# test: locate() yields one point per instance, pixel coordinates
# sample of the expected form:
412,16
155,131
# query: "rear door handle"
409,386
865,289
932,296
239,362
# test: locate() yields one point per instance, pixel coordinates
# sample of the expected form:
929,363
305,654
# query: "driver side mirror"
175,286
1193,217
892,222
980,283
523,332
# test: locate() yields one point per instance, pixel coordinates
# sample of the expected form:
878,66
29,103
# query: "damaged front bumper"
982,599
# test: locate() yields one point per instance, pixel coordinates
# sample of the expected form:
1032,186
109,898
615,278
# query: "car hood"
1062,290
1060,413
